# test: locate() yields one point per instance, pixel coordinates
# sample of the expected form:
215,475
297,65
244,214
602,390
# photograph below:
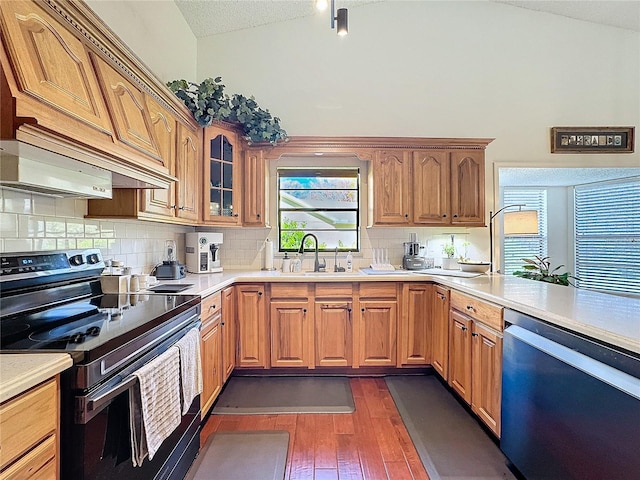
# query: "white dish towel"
154,404
190,367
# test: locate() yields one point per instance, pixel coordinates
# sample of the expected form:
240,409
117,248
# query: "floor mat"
275,395
242,456
450,443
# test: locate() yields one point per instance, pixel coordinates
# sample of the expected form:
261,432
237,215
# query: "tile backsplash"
30,222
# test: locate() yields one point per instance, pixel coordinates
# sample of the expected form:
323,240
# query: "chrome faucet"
316,264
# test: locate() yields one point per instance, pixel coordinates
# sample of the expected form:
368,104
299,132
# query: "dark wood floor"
370,444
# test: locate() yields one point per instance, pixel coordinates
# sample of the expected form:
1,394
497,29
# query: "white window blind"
517,247
607,229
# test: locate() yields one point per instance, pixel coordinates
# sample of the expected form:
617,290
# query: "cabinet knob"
455,215
182,207
464,329
211,307
349,309
470,307
304,310
474,334
259,294
406,215
362,309
444,215
235,214
174,207
258,215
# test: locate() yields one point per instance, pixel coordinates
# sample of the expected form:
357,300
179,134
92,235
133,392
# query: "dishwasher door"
564,414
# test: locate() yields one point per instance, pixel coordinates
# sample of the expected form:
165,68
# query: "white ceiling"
561,177
211,17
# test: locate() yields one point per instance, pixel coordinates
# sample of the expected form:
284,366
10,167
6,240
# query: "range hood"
42,162
28,168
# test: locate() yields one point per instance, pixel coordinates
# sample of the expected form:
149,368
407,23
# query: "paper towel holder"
268,256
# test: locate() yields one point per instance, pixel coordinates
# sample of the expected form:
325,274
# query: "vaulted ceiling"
211,17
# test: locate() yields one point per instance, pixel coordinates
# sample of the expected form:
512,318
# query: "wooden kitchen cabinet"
376,324
416,324
29,433
460,354
428,187
188,165
256,181
228,332
475,355
440,331
211,351
334,324
252,340
391,188
51,65
486,368
291,321
221,185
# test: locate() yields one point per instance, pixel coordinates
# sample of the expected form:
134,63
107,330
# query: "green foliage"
291,240
540,269
449,249
208,102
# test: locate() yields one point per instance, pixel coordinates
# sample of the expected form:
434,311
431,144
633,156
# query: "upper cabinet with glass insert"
222,191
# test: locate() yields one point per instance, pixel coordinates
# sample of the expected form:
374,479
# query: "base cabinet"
211,351
376,321
251,325
475,356
228,332
440,330
416,324
29,433
334,325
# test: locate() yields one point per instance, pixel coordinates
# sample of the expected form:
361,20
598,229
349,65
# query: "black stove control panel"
47,263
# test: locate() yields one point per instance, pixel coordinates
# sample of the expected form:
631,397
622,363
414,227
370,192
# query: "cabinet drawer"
211,305
480,310
38,464
290,291
378,290
27,419
341,290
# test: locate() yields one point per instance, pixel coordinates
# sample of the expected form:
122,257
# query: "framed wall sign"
592,139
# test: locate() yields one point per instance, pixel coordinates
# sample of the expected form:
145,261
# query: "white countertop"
609,318
21,371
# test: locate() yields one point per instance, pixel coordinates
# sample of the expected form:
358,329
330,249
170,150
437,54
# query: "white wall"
156,31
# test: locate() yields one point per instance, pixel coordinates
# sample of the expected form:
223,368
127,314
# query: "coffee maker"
412,259
203,252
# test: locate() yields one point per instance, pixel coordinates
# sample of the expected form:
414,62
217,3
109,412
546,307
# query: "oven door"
96,434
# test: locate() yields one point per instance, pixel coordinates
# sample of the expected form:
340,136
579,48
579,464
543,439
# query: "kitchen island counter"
609,318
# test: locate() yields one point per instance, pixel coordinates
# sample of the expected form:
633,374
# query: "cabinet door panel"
159,200
254,189
211,358
391,188
333,334
251,326
128,111
377,324
52,65
440,343
188,166
460,354
486,367
431,187
467,184
416,325
228,332
291,335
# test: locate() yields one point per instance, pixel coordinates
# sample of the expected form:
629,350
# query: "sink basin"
328,274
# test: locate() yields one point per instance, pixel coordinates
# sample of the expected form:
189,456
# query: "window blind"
517,247
607,236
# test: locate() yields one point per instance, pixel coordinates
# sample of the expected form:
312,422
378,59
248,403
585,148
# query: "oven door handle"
95,403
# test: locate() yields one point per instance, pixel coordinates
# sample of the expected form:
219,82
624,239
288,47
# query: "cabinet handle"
235,214
442,297
470,307
304,310
211,307
258,215
349,309
259,294
174,207
474,334
455,215
464,329
182,207
406,215
362,309
444,215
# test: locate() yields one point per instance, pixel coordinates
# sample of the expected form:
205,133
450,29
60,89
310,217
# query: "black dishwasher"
570,405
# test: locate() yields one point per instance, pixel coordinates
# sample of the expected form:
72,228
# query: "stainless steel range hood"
44,163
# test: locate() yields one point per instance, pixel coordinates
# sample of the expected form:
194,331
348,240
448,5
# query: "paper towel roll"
268,255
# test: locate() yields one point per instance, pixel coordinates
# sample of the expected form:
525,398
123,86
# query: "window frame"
350,172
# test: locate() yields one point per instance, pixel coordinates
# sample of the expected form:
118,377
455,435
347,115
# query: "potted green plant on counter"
540,269
449,262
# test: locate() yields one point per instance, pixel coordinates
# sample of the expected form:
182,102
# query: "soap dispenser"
349,262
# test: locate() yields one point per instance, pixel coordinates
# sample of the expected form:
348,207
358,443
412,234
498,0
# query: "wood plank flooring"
370,444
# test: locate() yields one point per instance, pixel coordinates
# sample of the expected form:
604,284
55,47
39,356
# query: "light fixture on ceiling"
521,222
321,4
341,19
